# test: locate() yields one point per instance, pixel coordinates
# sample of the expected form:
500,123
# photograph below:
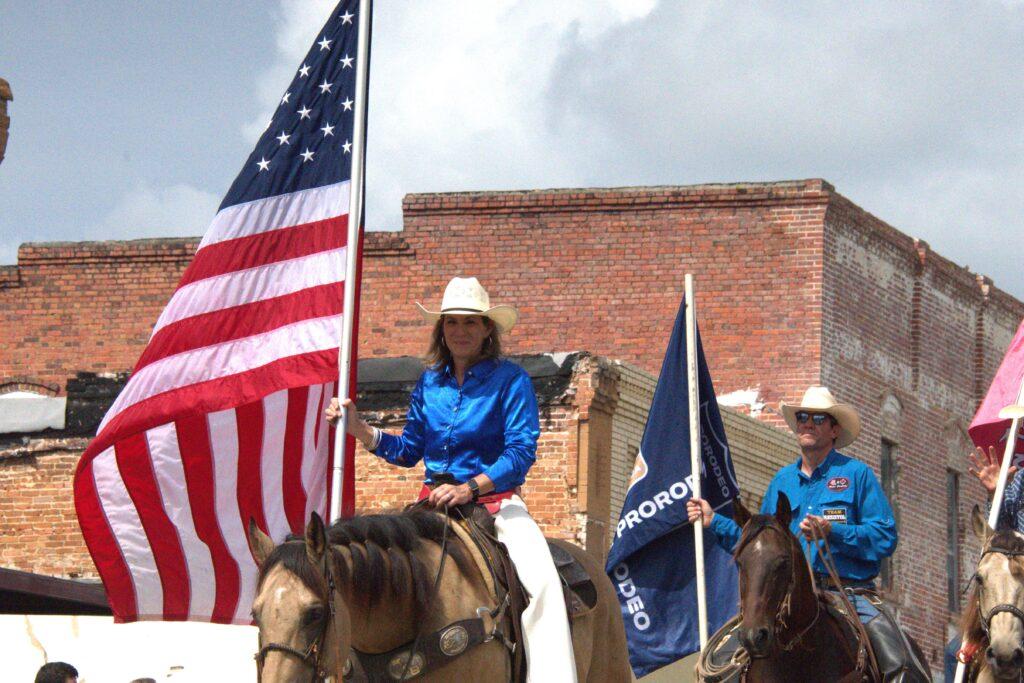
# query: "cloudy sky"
131,119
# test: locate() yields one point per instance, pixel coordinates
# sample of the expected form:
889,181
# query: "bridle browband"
785,605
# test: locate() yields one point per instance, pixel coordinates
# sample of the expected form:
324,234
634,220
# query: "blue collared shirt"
844,491
489,425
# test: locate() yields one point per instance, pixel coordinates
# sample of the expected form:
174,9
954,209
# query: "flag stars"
328,129
307,155
346,62
283,138
324,44
304,70
304,112
347,104
325,87
263,164
346,18
284,100
347,147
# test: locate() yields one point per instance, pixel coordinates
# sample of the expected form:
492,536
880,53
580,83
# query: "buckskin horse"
352,601
993,621
789,631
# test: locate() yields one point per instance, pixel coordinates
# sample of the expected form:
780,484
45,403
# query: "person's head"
57,672
820,422
466,328
463,337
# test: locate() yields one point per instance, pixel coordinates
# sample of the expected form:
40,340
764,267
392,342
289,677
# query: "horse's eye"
314,615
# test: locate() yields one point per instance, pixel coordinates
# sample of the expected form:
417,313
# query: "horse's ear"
980,525
261,544
316,536
783,510
739,512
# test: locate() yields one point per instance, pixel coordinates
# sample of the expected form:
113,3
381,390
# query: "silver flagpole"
1016,413
698,527
355,220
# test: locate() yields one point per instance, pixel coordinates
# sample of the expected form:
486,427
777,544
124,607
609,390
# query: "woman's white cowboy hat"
466,296
821,400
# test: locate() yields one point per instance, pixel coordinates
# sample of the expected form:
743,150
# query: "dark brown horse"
785,628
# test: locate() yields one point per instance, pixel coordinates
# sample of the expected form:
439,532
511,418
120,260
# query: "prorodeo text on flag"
634,603
650,507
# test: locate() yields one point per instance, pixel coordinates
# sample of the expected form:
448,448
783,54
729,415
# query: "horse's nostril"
1018,657
990,653
761,636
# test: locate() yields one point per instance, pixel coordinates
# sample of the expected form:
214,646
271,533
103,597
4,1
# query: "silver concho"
454,641
397,665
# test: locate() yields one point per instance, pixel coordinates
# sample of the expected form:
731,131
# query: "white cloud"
911,111
160,212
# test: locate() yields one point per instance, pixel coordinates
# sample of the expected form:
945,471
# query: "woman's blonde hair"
438,355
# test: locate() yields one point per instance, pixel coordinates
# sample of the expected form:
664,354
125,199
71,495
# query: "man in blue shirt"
843,499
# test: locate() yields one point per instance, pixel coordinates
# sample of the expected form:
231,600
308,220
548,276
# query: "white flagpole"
355,220
695,469
1016,412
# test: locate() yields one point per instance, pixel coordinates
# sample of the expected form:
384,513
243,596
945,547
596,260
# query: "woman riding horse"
473,422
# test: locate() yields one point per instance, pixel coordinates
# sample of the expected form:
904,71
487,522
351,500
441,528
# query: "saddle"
436,649
578,587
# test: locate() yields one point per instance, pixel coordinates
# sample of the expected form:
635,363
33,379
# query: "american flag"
221,420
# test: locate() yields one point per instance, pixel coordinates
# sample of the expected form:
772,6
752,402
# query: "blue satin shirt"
489,425
843,491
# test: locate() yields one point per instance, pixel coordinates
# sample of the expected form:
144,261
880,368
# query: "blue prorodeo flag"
652,561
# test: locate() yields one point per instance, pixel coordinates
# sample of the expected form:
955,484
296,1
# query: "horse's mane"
382,559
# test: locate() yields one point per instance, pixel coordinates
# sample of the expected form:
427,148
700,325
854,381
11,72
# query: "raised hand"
985,466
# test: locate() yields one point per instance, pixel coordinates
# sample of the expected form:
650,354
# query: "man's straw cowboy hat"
821,400
466,296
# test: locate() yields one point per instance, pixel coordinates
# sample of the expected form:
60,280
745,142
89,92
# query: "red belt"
491,501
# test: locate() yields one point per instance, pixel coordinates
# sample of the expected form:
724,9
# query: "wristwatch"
474,488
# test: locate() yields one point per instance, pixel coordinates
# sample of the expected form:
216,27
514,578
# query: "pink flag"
987,428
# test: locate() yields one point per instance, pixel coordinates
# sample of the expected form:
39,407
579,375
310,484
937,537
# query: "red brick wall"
602,270
84,306
903,323
38,529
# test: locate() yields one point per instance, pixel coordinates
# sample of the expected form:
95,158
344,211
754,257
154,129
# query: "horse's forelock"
754,527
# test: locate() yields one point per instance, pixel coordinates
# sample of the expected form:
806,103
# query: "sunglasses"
817,418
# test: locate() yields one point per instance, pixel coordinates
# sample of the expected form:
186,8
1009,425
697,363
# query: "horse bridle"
313,656
986,618
785,605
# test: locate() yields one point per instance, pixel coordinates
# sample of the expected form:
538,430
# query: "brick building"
796,286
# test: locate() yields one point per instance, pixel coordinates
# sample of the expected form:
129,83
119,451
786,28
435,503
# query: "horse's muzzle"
1005,665
756,641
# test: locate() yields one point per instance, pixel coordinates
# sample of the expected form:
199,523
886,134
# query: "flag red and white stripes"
222,419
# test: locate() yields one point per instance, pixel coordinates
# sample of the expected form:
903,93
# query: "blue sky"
131,119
